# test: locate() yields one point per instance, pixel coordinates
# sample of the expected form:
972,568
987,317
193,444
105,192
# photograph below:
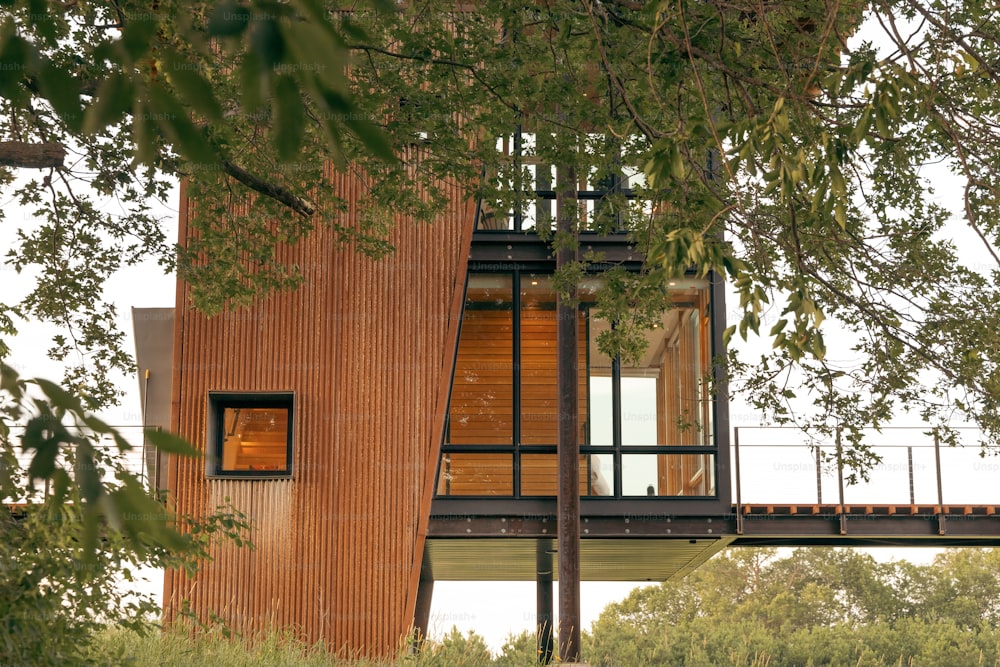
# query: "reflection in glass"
668,475
665,399
505,396
539,478
600,385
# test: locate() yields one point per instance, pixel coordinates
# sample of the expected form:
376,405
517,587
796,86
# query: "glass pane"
476,475
255,439
541,215
668,475
540,475
602,475
665,397
539,382
600,426
481,411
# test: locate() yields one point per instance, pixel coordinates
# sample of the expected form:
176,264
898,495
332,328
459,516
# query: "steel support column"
422,613
568,504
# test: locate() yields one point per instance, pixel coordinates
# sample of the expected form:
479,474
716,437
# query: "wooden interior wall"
482,404
363,344
482,396
685,414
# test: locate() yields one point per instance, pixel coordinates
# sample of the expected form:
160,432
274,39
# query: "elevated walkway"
787,492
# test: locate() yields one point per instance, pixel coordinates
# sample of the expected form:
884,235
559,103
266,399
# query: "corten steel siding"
367,347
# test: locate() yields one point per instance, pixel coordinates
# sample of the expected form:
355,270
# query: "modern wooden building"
384,402
393,423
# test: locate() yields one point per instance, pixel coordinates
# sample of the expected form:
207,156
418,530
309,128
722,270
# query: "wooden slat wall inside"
362,344
482,403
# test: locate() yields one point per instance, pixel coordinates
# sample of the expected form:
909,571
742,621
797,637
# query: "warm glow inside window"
502,427
252,435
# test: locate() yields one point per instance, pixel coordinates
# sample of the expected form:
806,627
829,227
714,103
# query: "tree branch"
300,205
27,155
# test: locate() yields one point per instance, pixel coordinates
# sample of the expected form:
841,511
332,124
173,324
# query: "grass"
179,646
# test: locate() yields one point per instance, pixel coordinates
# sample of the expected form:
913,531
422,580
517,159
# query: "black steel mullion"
586,343
519,193
616,422
628,193
668,449
477,449
720,402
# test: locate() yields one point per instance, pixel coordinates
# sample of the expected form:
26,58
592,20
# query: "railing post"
819,477
909,465
840,484
940,492
739,497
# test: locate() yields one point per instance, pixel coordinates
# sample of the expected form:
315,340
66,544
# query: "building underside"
664,547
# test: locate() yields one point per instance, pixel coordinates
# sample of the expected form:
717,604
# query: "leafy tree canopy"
772,144
80,525
816,606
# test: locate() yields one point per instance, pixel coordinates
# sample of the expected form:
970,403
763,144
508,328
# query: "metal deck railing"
131,460
773,465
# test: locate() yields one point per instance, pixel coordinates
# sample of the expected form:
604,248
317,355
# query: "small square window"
250,434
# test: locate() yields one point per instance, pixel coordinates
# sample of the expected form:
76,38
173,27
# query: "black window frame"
516,270
219,401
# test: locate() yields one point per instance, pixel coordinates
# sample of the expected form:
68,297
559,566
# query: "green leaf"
59,397
727,335
864,123
840,212
321,54
144,135
194,89
62,90
818,346
266,42
140,29
188,139
112,101
882,121
96,424
60,486
170,443
372,137
252,78
88,476
228,19
289,118
10,382
42,434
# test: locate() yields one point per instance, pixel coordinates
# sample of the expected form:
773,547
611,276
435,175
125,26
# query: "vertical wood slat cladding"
362,343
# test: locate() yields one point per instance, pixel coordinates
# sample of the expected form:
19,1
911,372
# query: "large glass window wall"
646,426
